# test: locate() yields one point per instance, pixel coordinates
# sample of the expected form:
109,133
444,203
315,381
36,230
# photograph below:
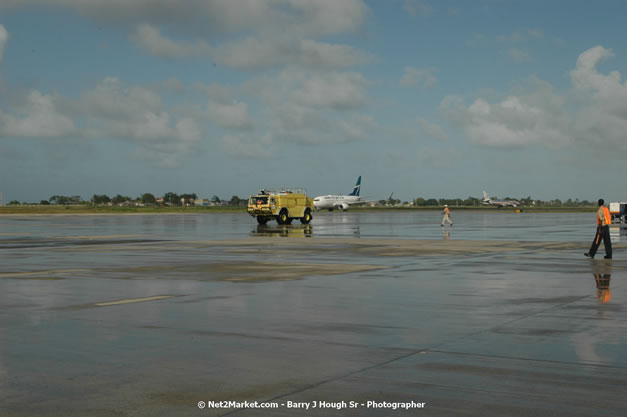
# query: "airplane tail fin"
357,187
486,197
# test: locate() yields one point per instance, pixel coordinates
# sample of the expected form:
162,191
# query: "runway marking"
133,300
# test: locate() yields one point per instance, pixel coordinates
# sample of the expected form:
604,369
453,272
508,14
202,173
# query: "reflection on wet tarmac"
602,272
303,230
147,315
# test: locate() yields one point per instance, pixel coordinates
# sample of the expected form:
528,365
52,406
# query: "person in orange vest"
604,219
446,213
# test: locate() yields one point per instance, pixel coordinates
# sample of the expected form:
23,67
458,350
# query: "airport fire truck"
618,211
283,206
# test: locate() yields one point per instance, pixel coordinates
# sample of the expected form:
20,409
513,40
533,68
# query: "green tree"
100,199
235,201
119,199
13,203
148,198
215,199
432,202
44,202
172,199
189,198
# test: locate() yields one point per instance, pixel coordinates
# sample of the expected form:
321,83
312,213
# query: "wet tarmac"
499,315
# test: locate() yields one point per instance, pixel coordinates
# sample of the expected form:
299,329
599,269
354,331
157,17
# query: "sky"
224,97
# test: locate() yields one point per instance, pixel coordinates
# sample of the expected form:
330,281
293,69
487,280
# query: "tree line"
174,199
526,202
169,199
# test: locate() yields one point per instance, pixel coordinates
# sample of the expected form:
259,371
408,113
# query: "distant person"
446,217
604,219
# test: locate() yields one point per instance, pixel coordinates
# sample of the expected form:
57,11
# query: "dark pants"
602,233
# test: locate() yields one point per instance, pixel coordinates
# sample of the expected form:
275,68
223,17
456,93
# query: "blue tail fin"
357,187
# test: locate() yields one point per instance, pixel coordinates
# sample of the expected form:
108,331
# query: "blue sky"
223,97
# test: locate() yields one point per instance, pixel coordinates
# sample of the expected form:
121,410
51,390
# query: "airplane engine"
344,206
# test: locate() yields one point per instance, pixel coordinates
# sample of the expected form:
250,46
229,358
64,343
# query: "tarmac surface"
357,314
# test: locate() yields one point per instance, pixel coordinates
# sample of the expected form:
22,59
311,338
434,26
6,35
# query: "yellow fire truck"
283,206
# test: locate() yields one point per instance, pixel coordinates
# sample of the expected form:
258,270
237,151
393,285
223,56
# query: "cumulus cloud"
135,113
516,121
253,53
602,117
291,17
149,39
594,112
39,117
4,37
110,110
247,147
229,115
270,33
432,129
418,77
313,108
339,90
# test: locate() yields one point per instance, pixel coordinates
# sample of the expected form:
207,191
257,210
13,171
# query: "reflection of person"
604,219
447,234
603,287
446,212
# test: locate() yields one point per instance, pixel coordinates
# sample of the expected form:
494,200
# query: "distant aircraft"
334,201
499,203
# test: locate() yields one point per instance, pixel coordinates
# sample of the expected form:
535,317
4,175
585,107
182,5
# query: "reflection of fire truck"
618,211
282,206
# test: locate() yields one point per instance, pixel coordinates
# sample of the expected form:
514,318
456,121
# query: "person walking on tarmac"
446,214
604,219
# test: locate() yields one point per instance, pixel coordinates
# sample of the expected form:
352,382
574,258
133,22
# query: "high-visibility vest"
606,213
446,210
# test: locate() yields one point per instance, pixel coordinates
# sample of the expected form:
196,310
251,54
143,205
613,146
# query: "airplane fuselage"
501,203
331,201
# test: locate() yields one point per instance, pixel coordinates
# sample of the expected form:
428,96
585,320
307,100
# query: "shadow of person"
602,274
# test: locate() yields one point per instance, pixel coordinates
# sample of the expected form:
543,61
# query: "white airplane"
499,203
334,201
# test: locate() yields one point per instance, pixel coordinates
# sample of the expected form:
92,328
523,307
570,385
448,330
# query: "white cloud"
310,108
593,114
134,113
298,18
247,147
339,90
4,37
536,118
253,53
602,117
418,77
229,115
37,118
432,129
359,127
270,33
518,55
149,39
110,110
585,76
418,8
